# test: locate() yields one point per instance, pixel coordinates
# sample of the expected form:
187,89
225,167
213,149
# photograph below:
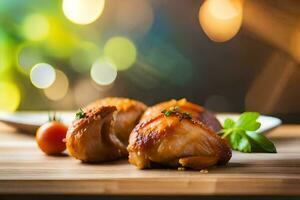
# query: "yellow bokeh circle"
36,27
59,88
10,96
121,51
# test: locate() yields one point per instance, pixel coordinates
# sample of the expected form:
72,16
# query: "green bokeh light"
27,56
61,41
5,50
84,56
35,27
121,51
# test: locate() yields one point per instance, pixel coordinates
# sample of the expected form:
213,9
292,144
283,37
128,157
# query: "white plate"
30,121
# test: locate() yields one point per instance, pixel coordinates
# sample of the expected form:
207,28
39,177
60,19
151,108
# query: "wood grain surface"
26,170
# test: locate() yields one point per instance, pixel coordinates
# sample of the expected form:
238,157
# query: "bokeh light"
221,19
84,56
35,27
10,96
83,11
126,18
61,40
121,51
85,92
27,56
103,72
59,88
5,48
42,75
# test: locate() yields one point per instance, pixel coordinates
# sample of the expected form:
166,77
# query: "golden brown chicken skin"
129,113
197,112
176,141
92,138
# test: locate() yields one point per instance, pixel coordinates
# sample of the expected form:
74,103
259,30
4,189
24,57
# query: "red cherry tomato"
50,137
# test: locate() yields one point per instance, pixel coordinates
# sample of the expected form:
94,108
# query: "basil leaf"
242,136
240,142
262,142
234,139
244,144
247,121
229,123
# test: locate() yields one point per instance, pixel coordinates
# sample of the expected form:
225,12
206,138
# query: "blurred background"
228,55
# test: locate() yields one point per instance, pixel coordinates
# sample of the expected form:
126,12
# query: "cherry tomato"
50,137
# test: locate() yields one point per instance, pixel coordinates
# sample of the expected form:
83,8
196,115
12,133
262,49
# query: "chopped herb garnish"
242,135
167,112
176,111
187,115
80,114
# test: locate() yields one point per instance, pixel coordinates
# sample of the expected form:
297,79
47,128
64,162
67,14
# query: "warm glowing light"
42,75
10,96
294,44
137,19
85,92
221,19
27,56
103,72
35,27
121,51
83,11
59,88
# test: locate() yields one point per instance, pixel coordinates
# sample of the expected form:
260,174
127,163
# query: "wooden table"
25,170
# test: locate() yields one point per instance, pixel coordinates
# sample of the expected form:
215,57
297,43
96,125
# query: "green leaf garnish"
247,121
260,139
229,123
80,114
242,136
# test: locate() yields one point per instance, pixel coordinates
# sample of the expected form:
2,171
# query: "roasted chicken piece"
176,140
197,112
92,138
129,113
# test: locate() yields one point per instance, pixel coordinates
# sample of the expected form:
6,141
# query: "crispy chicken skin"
197,111
92,138
173,141
129,113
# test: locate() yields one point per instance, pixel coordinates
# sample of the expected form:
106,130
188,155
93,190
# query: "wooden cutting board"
25,170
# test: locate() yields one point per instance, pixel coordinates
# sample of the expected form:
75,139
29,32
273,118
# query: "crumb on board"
180,168
204,171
